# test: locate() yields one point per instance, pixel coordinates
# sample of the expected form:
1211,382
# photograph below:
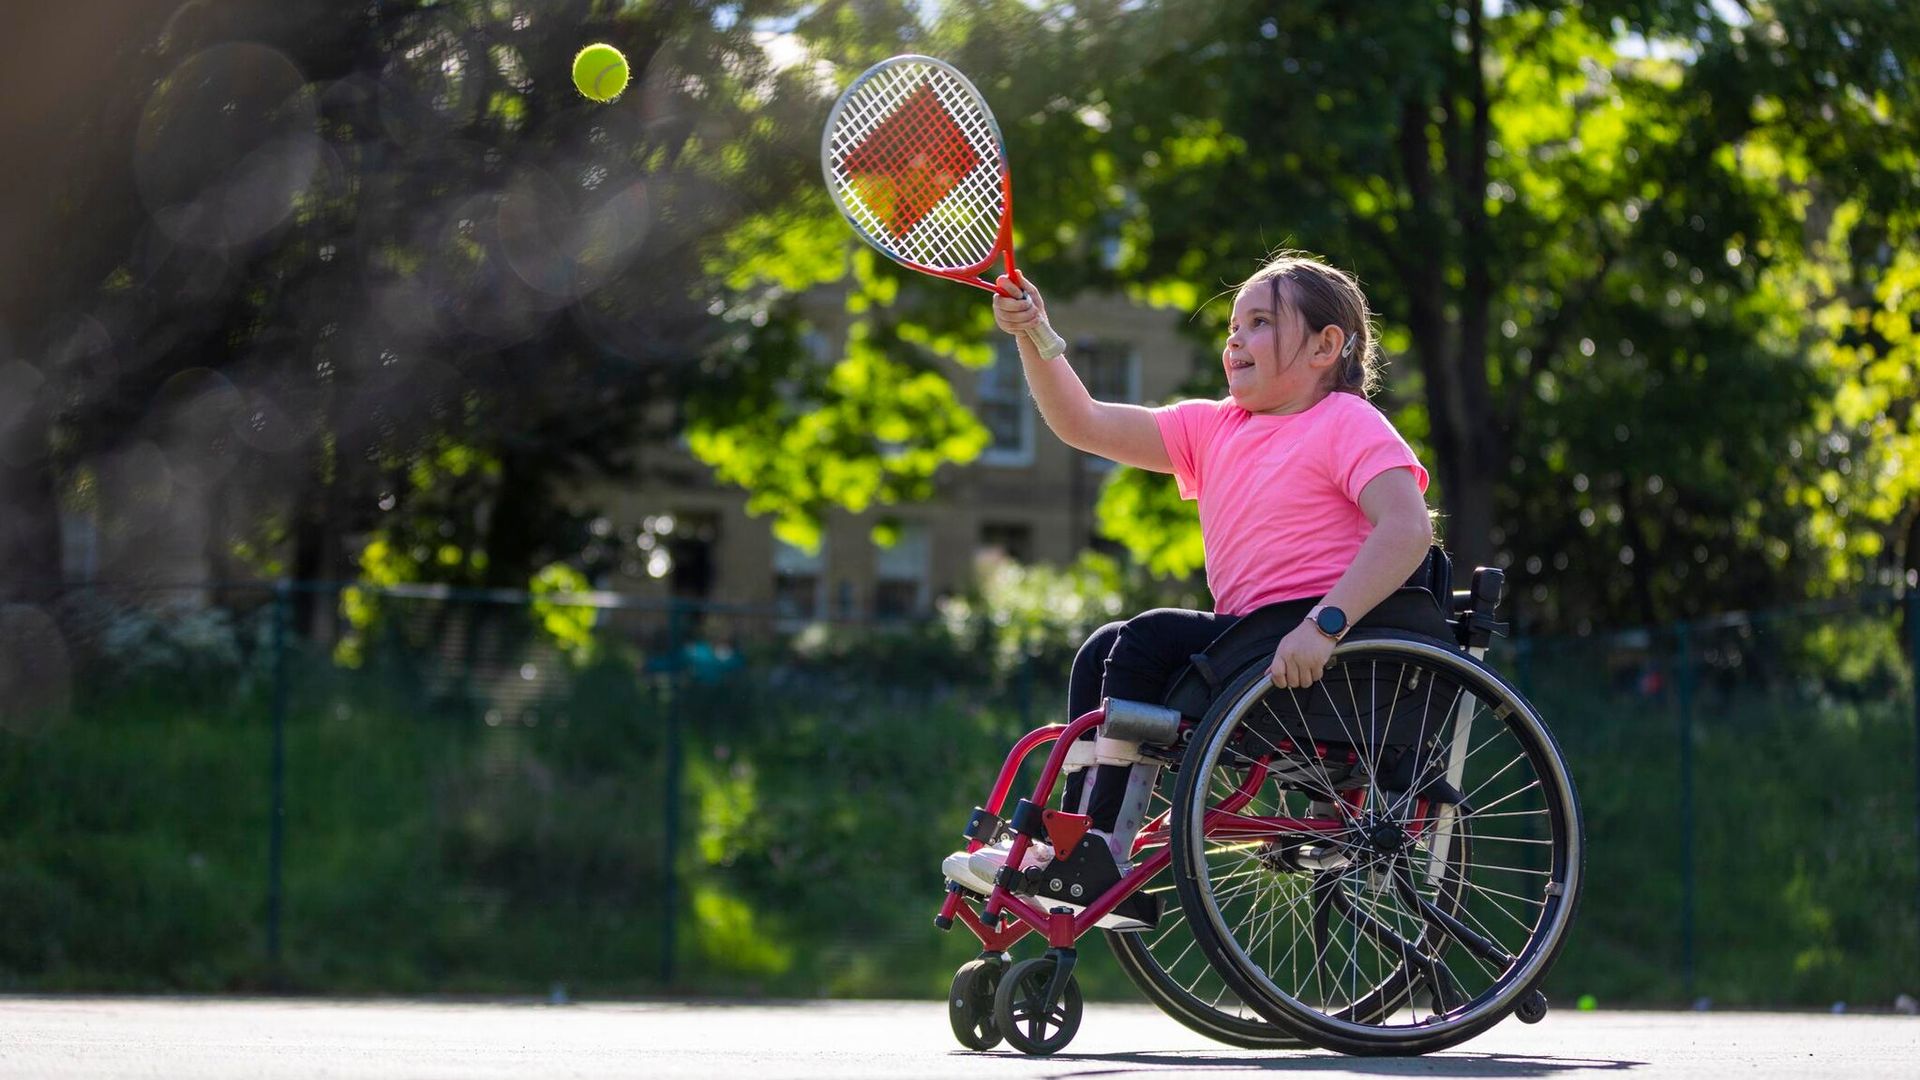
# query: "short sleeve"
1366,444
1186,430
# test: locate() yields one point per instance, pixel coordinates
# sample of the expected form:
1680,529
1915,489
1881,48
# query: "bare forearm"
1062,398
1125,433
1388,557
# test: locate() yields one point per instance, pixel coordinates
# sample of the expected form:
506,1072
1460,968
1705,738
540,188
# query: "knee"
1147,627
1160,616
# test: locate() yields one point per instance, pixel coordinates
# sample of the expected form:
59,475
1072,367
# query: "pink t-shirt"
1280,495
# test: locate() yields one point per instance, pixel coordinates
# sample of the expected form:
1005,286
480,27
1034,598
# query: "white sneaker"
959,869
985,864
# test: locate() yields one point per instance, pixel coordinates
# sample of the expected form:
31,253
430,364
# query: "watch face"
1331,621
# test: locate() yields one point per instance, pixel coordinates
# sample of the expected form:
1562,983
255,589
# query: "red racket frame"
1003,239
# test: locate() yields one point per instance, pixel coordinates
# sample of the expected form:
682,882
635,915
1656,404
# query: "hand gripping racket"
915,162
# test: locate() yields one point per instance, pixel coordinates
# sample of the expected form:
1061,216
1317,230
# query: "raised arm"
1124,433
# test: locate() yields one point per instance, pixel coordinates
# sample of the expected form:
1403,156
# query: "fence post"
1683,689
1913,644
670,845
277,775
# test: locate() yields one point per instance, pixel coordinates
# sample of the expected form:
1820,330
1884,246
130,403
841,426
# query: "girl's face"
1273,364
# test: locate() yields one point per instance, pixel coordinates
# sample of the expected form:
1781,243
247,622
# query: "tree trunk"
512,532
318,555
1450,325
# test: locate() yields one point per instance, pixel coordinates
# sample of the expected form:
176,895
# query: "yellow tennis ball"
600,72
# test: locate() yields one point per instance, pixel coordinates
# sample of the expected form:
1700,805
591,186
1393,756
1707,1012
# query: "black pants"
1134,660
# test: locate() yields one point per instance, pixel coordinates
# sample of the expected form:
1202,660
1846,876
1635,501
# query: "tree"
67,212
1560,214
383,272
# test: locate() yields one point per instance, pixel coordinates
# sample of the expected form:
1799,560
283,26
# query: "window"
1005,408
690,541
799,583
1012,540
900,578
1111,371
1108,368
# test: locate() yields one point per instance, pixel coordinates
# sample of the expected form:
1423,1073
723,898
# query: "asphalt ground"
262,1039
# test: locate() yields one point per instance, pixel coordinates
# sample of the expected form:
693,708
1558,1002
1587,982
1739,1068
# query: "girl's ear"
1327,345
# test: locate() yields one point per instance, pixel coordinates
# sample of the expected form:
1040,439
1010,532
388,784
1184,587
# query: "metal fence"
423,790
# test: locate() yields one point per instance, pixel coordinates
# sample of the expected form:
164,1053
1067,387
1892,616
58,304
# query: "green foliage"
1144,512
1802,755
871,429
1629,258
1858,466
1580,227
1039,615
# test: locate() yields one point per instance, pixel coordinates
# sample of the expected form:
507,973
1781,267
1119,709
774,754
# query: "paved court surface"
264,1039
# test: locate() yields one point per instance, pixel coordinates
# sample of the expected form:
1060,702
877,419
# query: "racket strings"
917,165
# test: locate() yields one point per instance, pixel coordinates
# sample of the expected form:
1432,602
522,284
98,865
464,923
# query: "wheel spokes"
1381,891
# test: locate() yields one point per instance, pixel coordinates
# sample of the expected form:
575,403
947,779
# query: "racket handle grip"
1049,345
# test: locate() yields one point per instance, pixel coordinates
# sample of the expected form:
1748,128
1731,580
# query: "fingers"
1295,671
1295,677
1018,287
1013,313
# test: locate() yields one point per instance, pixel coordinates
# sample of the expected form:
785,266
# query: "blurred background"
459,538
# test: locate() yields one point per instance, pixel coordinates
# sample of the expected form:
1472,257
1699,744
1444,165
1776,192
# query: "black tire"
1347,925
970,1003
1169,968
1171,971
1017,1013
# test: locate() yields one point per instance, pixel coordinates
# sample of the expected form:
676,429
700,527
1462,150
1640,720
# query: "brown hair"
1327,296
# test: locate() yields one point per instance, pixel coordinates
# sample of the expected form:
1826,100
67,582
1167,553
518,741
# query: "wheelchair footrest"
1081,875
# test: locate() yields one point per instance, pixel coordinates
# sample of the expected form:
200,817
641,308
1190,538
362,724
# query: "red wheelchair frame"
1063,928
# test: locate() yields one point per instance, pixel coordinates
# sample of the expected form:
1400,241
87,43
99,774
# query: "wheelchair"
1387,862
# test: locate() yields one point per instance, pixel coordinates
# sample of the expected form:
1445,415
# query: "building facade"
1028,496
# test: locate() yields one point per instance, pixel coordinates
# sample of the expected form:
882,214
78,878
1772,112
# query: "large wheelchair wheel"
1168,966
1171,970
1386,862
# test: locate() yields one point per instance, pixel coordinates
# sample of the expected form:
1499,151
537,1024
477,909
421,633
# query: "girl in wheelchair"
1374,842
1306,493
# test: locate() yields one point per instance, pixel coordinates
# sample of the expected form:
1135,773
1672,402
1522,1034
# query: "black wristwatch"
1329,620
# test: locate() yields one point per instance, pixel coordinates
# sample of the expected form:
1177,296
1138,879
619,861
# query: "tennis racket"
915,162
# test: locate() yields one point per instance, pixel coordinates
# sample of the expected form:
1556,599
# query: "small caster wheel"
1532,1008
1020,1015
970,1004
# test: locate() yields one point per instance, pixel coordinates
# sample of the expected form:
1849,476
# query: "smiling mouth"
1239,365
